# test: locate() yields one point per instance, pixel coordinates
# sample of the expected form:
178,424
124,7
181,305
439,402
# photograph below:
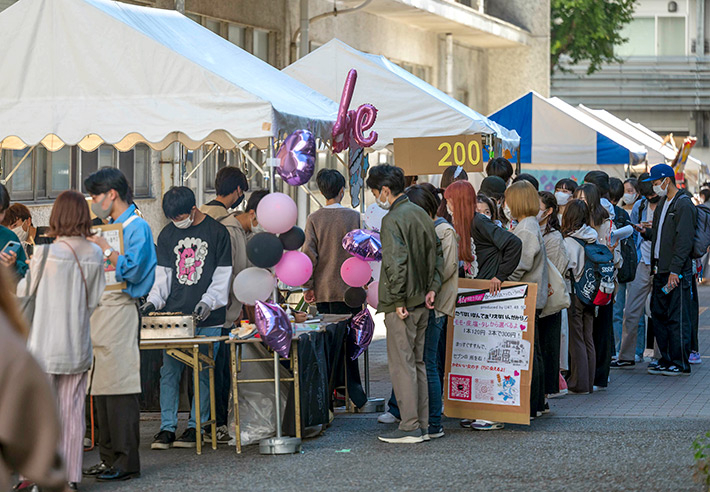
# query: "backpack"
701,241
596,285
627,272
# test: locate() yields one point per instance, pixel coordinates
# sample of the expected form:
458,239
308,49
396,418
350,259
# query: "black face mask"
239,200
655,199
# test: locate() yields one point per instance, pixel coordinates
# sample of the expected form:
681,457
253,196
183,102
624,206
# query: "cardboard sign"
432,155
489,353
113,233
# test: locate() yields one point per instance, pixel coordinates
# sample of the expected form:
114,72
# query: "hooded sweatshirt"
533,260
575,250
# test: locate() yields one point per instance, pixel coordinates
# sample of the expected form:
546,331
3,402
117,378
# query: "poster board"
113,233
432,155
489,353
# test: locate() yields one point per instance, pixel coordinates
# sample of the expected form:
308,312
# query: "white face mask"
508,213
541,216
562,197
21,234
385,205
185,223
451,212
630,198
658,190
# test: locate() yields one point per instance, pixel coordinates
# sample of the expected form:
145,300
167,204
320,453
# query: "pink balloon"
343,123
373,291
365,117
277,213
294,269
355,272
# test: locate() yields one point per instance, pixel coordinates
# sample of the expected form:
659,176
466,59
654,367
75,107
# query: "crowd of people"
84,336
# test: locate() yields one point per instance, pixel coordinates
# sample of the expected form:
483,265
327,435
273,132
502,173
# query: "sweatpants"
70,390
672,320
118,419
405,357
636,293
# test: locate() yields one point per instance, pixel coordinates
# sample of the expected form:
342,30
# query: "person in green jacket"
411,266
14,261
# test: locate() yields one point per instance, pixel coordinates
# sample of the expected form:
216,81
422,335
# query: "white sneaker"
639,358
387,418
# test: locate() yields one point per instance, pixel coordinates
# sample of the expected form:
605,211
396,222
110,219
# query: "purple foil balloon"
298,157
363,244
274,327
362,327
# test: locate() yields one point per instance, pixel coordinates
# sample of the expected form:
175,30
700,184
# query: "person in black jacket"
672,236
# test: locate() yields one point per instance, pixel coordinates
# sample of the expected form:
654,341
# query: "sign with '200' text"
432,155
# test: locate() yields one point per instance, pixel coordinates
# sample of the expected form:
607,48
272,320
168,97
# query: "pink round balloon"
294,269
355,272
373,291
277,213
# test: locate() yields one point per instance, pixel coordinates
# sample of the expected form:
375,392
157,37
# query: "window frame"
656,17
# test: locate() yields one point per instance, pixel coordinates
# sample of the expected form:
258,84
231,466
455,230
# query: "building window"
420,71
256,41
44,175
654,36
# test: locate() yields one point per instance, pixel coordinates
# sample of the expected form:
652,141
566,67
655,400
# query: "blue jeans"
431,360
170,386
619,306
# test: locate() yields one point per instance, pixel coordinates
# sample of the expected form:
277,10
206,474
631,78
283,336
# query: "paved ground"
635,436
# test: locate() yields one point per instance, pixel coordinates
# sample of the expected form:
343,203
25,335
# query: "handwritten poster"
113,234
489,352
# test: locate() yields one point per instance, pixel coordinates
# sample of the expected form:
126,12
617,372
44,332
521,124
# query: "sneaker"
570,392
162,440
653,363
558,395
695,358
387,418
485,425
656,369
402,437
426,438
435,432
546,410
639,359
622,364
673,371
466,423
599,388
223,436
187,440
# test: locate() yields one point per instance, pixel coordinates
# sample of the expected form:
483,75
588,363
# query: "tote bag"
559,299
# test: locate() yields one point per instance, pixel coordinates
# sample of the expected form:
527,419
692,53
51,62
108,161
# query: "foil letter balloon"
362,327
297,156
363,244
342,124
274,327
365,117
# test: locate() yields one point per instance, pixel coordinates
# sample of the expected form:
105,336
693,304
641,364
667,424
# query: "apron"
114,336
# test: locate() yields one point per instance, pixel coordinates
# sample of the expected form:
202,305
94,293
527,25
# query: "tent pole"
9,176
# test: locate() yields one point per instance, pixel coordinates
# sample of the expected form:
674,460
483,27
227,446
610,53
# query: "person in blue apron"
115,380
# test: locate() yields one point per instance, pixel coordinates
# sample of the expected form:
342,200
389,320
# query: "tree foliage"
588,30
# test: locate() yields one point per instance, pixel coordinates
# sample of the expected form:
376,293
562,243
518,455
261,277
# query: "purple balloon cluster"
363,244
298,158
274,327
362,327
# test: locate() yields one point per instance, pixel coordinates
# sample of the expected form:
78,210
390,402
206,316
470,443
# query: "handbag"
28,301
559,299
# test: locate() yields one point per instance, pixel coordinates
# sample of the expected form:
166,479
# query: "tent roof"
553,132
91,71
407,106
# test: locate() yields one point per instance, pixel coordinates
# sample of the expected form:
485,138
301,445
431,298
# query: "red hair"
461,197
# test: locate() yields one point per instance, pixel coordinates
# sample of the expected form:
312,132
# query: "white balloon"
253,284
376,267
373,217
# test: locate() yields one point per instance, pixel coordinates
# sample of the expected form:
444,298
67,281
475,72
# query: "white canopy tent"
407,106
87,72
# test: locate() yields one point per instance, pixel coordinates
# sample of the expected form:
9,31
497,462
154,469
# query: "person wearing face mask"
487,207
551,326
633,329
564,189
672,236
193,275
247,219
412,263
19,220
11,260
230,185
115,380
631,194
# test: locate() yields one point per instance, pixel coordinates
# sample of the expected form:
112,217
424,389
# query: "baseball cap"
660,171
492,186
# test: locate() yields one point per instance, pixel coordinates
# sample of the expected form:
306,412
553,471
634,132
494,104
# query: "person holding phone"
12,256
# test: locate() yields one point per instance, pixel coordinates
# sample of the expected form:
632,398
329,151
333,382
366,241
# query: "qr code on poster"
459,387
484,389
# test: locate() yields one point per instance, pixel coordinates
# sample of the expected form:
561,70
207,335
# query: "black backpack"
596,285
627,272
701,241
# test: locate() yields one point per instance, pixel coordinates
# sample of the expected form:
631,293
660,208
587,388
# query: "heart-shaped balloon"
274,327
297,156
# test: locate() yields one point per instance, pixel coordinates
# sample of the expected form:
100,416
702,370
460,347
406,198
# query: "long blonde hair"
8,304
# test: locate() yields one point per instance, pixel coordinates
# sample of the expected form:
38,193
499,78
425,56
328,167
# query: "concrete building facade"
483,52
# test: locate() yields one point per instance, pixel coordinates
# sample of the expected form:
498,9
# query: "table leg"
296,389
213,413
235,396
196,374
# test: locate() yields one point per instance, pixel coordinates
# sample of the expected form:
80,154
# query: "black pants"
119,433
550,329
222,381
603,335
672,320
537,384
694,315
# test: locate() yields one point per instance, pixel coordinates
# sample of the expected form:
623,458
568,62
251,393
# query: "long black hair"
549,201
597,213
419,195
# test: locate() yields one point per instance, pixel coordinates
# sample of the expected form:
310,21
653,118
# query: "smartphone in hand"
12,247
